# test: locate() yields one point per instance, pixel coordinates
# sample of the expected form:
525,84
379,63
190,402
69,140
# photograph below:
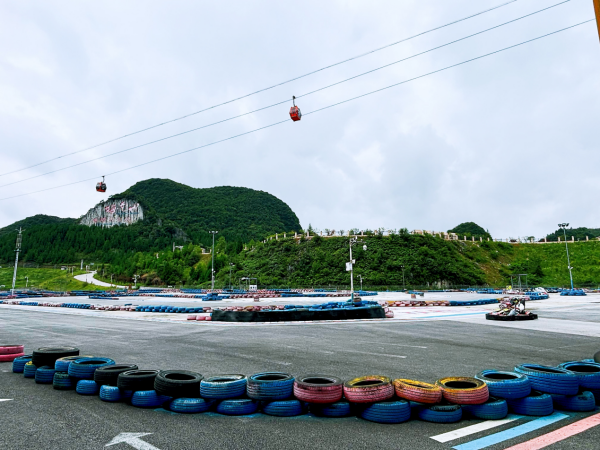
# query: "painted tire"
62,381
44,375
108,375
535,404
387,412
110,393
337,409
178,383
442,413
464,390
190,405
87,387
505,384
552,380
11,349
580,403
417,391
284,408
223,386
237,407
596,394
62,364
587,373
137,380
29,370
493,409
148,399
318,389
47,356
84,368
10,357
369,389
19,363
270,386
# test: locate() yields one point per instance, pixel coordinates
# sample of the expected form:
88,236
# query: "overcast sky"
509,142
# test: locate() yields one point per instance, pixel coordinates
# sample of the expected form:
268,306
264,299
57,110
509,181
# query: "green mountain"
39,219
578,233
470,229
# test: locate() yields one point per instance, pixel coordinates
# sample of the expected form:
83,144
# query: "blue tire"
337,409
44,375
505,384
284,408
551,380
87,387
580,403
190,405
84,368
587,373
110,393
29,370
596,394
237,407
62,381
442,413
223,386
148,399
270,386
62,364
18,364
535,404
493,409
387,412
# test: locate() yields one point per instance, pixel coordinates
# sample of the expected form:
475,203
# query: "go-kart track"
420,343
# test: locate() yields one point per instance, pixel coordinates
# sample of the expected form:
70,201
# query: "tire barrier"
464,390
337,409
318,389
108,375
583,402
110,393
19,363
284,408
29,370
62,381
178,383
137,380
62,364
237,407
270,386
148,399
222,387
387,412
11,349
551,380
369,389
190,405
300,314
87,387
417,391
596,394
44,375
441,413
84,368
10,357
588,373
47,356
505,384
493,409
535,404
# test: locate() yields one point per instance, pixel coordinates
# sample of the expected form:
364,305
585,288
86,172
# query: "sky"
507,141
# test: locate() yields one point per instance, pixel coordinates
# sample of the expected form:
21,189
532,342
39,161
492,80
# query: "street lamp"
212,279
360,276
231,266
564,226
135,278
350,265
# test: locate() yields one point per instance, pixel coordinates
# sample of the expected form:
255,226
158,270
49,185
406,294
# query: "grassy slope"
51,279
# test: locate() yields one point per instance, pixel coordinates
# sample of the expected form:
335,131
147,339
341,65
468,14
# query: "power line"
287,100
264,89
311,112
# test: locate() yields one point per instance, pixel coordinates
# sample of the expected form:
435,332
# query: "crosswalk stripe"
472,429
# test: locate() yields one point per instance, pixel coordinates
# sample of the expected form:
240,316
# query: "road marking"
5,399
559,435
466,431
133,440
502,436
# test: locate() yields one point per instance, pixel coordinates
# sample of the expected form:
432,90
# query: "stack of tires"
9,352
106,378
509,389
137,386
83,369
228,392
274,392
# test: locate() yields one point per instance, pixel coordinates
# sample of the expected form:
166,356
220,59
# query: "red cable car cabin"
101,187
295,113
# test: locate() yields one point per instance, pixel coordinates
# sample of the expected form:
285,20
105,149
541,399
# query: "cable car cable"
264,89
287,100
312,112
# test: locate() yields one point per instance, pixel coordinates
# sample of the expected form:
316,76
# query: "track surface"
39,417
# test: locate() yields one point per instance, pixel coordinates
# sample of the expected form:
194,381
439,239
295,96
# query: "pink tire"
321,389
11,357
11,349
369,389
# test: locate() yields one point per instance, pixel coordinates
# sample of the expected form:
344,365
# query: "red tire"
417,391
369,389
321,389
11,357
464,390
11,349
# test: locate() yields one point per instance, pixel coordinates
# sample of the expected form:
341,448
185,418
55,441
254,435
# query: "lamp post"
564,226
135,278
231,266
360,276
26,282
212,278
350,265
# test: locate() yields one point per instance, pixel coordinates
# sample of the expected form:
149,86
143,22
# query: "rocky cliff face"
113,212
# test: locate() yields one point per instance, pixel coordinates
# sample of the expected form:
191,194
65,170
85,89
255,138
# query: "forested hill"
174,213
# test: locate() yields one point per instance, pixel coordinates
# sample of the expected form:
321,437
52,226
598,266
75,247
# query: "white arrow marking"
5,399
132,439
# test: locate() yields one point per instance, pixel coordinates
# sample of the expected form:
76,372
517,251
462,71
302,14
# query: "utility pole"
597,9
350,264
212,278
17,251
564,228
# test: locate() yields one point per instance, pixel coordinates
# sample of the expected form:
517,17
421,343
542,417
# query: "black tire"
47,356
597,357
137,380
178,383
108,375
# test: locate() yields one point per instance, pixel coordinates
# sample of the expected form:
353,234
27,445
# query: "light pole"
564,226
350,265
212,278
26,282
360,276
231,266
135,278
403,283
